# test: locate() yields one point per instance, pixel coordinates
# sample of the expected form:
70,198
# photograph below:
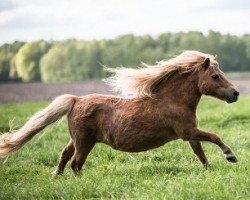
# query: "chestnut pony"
160,107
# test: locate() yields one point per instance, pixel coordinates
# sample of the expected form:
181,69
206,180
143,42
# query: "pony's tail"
11,142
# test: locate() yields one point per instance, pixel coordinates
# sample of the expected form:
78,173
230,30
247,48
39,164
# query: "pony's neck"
182,89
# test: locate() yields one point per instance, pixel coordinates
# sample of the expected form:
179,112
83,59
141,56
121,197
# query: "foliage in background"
7,54
71,61
77,60
27,60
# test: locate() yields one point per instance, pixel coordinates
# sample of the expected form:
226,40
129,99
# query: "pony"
157,105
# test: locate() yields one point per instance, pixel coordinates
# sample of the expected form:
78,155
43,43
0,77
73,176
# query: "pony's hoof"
56,173
232,159
206,165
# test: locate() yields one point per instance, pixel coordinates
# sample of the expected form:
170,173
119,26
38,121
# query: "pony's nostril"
236,93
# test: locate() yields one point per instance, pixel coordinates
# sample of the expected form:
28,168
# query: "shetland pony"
159,106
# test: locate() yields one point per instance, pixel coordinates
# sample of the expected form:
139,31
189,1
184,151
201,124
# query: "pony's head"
145,81
212,81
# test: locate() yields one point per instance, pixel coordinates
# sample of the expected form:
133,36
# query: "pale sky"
29,20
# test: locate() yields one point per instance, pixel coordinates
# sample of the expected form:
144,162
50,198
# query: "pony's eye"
215,77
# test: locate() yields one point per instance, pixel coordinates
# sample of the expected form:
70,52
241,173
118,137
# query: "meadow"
169,172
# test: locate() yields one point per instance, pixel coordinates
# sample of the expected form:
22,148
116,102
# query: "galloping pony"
158,105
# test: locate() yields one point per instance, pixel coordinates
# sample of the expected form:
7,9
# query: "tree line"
78,60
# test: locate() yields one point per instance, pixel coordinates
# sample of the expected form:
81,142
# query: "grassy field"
169,172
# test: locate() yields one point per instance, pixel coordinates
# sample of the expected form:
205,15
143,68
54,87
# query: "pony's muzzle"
232,95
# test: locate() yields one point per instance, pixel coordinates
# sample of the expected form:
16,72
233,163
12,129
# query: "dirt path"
20,92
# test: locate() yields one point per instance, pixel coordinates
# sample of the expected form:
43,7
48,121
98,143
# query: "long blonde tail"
58,108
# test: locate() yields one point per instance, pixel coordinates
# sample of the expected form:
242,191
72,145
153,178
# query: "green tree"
246,42
7,53
28,58
192,40
93,59
65,62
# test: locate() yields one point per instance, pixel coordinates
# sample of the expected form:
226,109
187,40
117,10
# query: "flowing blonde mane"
141,82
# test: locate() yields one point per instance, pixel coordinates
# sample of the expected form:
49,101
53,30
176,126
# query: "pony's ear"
206,63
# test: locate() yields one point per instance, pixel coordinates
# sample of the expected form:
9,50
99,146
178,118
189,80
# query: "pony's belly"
142,141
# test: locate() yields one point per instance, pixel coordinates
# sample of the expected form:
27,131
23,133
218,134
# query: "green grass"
169,172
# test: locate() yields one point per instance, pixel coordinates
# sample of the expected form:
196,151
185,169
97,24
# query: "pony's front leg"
197,148
199,135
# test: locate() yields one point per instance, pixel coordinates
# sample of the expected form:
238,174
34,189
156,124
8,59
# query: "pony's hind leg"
66,155
83,146
197,148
